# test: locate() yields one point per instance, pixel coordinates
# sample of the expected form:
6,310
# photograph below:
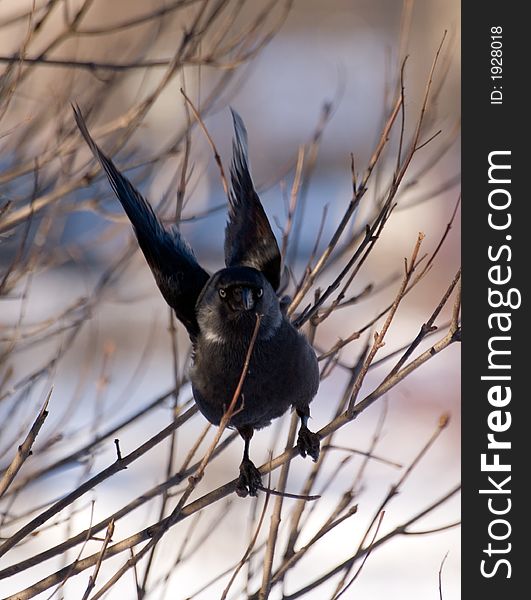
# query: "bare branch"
24,450
92,579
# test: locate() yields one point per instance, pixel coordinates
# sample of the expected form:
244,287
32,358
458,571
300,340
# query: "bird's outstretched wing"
177,273
249,240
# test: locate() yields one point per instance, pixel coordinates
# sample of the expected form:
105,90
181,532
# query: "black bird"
219,311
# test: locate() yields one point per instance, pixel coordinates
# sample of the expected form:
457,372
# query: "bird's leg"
250,479
307,441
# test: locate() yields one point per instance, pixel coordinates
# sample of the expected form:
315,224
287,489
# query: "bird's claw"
308,443
250,479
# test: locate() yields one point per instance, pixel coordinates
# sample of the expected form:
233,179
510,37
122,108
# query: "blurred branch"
93,66
43,177
400,530
92,579
358,193
119,465
185,511
364,560
24,450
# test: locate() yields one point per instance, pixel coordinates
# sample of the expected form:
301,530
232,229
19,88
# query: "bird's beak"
247,298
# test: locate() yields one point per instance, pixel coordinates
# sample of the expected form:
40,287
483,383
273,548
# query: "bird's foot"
250,479
308,443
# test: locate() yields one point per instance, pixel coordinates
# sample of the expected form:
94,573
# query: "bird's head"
230,301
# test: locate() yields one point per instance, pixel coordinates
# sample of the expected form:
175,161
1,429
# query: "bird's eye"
222,293
259,292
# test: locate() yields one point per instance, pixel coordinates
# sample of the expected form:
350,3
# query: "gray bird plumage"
219,311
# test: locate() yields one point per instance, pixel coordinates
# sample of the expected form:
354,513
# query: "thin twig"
194,479
275,518
24,450
217,157
250,547
379,337
367,554
92,579
118,465
440,576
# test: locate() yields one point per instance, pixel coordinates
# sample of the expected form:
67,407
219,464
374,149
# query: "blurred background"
79,310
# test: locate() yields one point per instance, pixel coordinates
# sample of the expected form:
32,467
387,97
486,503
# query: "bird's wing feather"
177,273
249,240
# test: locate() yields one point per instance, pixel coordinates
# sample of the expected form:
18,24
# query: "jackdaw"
219,311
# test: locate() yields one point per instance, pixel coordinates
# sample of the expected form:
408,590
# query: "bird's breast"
282,372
